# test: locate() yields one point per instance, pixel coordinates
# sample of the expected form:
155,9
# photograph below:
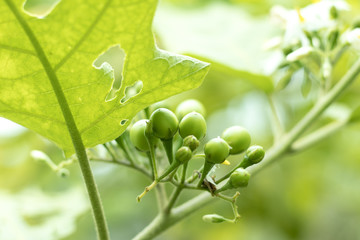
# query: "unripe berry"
183,154
188,106
137,135
254,154
239,178
192,124
191,142
164,123
238,138
214,218
216,150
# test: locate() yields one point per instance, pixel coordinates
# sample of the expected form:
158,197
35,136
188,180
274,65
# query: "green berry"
192,124
191,142
188,106
239,178
164,123
157,105
254,154
238,138
214,218
137,135
183,154
216,150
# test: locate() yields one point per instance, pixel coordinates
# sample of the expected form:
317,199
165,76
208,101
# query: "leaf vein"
131,100
83,38
16,49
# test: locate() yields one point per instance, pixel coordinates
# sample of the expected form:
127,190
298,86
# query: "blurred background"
311,195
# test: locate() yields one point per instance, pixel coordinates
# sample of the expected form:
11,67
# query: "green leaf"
72,37
259,81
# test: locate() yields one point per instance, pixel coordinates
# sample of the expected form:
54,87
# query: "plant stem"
161,196
109,151
168,146
126,164
195,175
162,222
317,136
285,143
97,208
173,198
207,167
123,145
177,191
152,159
171,168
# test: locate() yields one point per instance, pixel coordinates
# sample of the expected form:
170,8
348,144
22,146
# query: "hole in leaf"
132,91
114,58
39,8
123,122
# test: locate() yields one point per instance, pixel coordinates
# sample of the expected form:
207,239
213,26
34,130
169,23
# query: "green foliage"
71,39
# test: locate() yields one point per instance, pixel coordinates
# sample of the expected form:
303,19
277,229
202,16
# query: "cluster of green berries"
164,124
189,123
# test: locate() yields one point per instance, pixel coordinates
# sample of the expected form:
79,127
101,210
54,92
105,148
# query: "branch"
124,163
162,222
287,140
317,136
277,151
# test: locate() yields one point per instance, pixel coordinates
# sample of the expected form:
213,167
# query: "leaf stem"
97,208
110,152
124,163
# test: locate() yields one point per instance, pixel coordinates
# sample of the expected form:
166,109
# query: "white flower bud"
214,218
299,54
39,156
272,43
353,38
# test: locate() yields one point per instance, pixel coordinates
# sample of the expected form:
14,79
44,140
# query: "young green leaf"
65,45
